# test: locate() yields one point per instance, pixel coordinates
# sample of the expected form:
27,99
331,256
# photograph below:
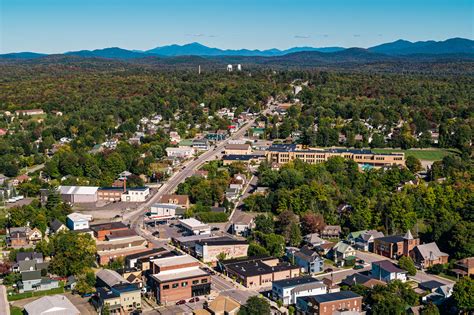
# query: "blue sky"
52,26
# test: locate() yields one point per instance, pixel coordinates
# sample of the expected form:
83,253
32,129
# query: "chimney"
125,184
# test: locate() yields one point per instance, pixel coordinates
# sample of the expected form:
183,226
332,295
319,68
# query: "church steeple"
408,235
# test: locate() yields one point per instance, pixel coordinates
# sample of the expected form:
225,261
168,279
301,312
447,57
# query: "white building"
195,227
78,221
165,211
51,305
181,152
229,68
78,194
136,194
288,290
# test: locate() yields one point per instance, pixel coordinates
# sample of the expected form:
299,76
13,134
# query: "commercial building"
78,221
201,144
117,293
329,304
164,211
284,153
395,246
52,304
259,272
244,158
195,227
181,152
135,194
180,200
110,194
209,250
238,149
104,229
78,194
289,290
178,278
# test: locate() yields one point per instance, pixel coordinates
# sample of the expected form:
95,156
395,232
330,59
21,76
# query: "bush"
436,269
212,217
406,263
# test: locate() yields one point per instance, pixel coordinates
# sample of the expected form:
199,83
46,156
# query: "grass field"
20,296
428,154
14,310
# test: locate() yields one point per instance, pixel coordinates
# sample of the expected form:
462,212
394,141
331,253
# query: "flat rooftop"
174,261
185,274
296,148
193,223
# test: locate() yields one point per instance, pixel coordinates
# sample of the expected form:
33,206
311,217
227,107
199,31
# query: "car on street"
215,229
357,267
328,270
181,302
194,299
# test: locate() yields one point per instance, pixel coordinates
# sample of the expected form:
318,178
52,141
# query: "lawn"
25,295
14,310
427,154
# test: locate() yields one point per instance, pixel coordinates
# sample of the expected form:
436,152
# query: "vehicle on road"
194,299
181,302
328,270
215,228
361,261
357,267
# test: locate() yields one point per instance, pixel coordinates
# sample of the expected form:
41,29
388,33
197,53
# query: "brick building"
330,303
395,246
210,249
104,229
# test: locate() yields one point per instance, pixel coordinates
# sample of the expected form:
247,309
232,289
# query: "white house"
78,221
195,227
385,270
181,152
288,290
136,194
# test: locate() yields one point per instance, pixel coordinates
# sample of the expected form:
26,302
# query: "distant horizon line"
236,49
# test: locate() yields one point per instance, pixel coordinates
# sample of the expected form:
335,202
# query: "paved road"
4,306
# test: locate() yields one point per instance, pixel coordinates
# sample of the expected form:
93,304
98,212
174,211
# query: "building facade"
209,250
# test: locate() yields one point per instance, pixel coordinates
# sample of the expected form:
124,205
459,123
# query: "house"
195,227
78,194
427,255
288,290
210,249
359,278
238,149
29,112
165,211
201,144
330,231
257,272
135,194
27,261
78,221
20,180
331,285
243,224
109,278
51,305
232,194
223,305
343,302
174,137
71,283
2,133
387,271
306,258
56,226
364,240
120,299
438,291
23,236
180,200
178,278
3,179
182,152
395,246
32,281
341,252
464,267
324,248
314,239
201,173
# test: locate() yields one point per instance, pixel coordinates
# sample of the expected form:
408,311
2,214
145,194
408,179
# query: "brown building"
427,255
464,267
238,149
331,231
180,200
330,303
110,193
395,246
284,153
178,278
23,236
259,272
104,229
209,249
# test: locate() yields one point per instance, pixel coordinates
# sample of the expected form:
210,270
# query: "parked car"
215,229
194,299
361,261
328,270
157,233
357,267
180,302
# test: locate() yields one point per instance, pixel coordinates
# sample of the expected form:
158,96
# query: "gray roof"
31,275
20,256
51,305
26,265
430,251
110,277
388,266
55,225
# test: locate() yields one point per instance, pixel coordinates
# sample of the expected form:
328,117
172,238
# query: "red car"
194,299
181,302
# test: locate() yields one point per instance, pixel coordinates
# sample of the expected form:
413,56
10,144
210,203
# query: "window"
166,287
195,281
175,285
203,280
184,284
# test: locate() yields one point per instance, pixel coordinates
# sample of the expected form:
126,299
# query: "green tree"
295,235
413,164
430,309
255,305
257,250
406,263
463,294
264,224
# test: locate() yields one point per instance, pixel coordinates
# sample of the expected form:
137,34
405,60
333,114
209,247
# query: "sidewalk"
4,306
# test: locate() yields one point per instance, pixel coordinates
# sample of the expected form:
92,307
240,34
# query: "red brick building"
330,303
395,246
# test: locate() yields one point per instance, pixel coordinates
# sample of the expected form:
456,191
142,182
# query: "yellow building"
284,153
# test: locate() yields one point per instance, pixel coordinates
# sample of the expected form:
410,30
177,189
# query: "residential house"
427,255
314,239
331,231
78,221
395,246
387,271
243,224
223,305
306,258
438,291
257,272
32,281
20,180
464,267
288,290
359,278
209,250
56,226
51,305
23,236
343,302
180,200
341,252
174,137
232,194
201,173
364,240
120,299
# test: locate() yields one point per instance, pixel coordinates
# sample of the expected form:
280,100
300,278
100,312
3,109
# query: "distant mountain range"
400,48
